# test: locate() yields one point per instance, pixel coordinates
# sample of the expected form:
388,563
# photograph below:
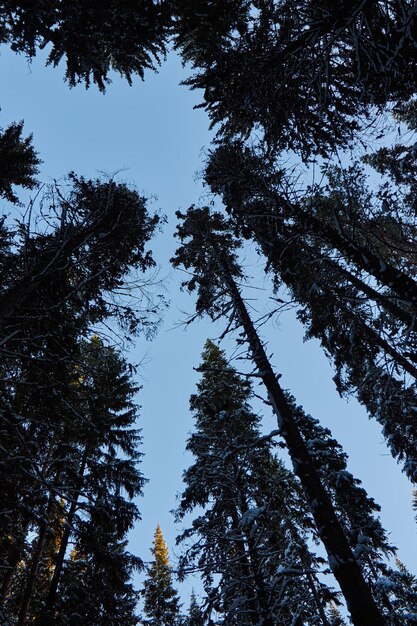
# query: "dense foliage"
249,539
94,39
292,88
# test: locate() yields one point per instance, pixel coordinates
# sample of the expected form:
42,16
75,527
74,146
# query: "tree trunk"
346,570
318,601
45,618
396,280
43,529
263,615
27,595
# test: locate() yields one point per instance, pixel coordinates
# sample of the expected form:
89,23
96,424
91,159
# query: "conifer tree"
96,581
18,162
309,73
87,473
250,540
367,330
306,74
209,249
195,615
70,276
161,601
93,40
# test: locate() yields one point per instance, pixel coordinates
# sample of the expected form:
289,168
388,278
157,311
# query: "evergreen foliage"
306,74
91,462
93,39
66,406
161,601
195,614
335,617
361,308
305,78
18,162
249,539
328,487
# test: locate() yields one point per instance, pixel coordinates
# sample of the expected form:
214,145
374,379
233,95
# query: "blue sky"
151,132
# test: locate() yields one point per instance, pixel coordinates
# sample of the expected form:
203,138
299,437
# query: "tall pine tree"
249,541
80,527
209,249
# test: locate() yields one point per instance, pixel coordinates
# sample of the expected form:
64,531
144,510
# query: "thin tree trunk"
45,618
43,530
346,570
288,234
17,550
27,595
14,558
258,607
318,601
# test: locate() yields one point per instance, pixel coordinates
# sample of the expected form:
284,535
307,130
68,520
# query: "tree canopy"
303,97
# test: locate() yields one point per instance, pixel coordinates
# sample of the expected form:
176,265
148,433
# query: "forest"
312,106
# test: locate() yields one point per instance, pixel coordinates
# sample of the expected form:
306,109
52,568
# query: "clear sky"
151,131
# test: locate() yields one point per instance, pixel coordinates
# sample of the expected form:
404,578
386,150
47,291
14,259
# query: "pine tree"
18,162
87,473
368,331
209,249
347,259
195,615
107,443
250,540
306,74
56,287
96,582
125,37
161,601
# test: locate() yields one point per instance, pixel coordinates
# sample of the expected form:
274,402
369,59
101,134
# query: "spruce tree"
107,444
307,74
249,539
195,615
18,162
91,477
56,286
93,40
364,321
161,601
209,249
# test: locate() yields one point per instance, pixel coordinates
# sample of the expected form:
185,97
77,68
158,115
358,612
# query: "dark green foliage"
206,238
97,237
18,162
93,39
366,329
336,492
249,539
96,589
301,72
195,614
67,430
88,463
